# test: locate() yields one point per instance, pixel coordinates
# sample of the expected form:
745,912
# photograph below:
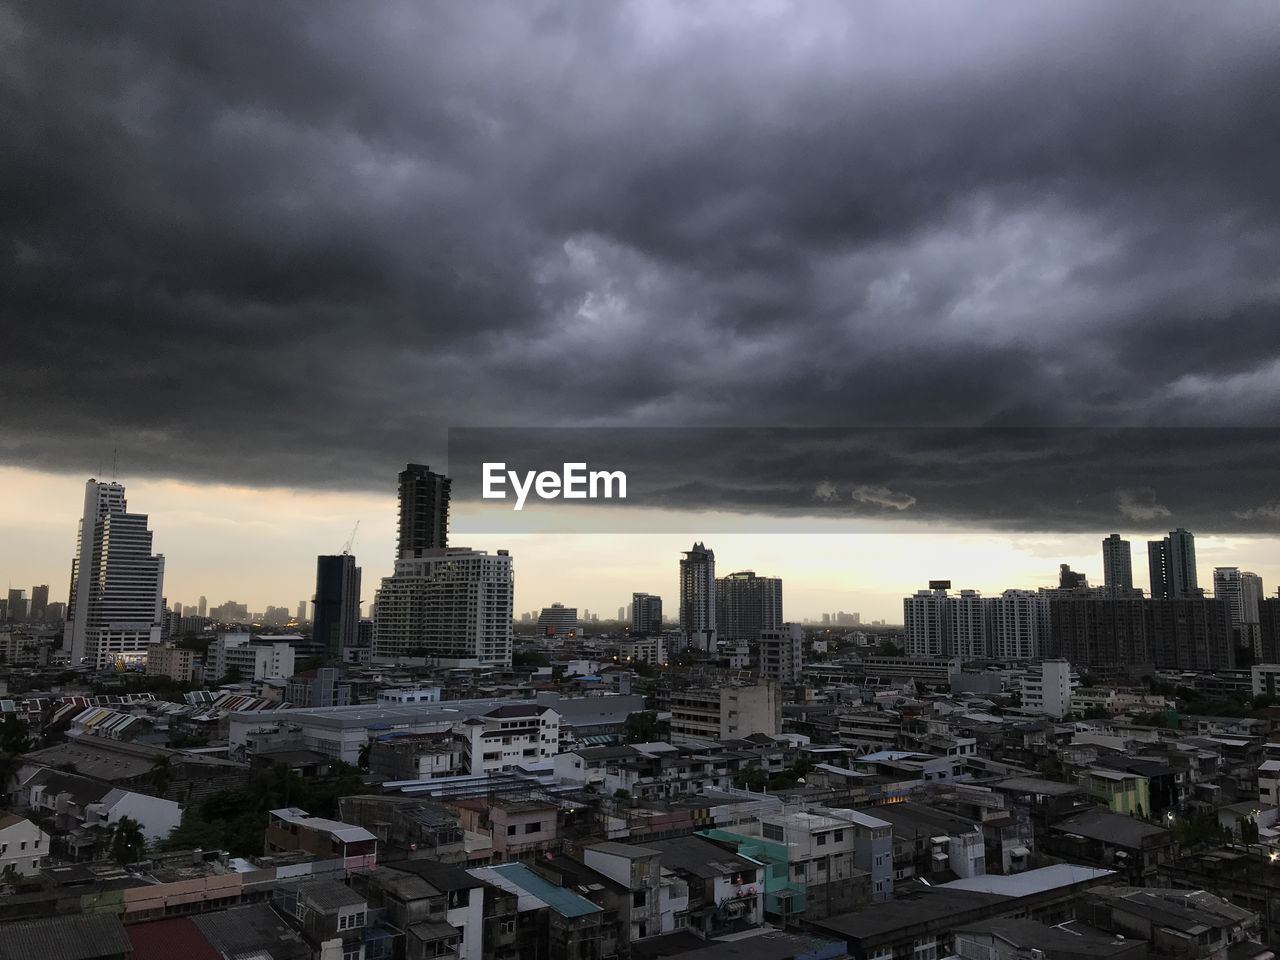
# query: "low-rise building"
166,660
23,845
720,713
291,828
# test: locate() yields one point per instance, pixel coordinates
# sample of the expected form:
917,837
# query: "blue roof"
563,901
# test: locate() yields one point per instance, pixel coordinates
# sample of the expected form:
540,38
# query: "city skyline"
865,572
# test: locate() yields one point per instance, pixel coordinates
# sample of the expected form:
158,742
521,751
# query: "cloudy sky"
270,252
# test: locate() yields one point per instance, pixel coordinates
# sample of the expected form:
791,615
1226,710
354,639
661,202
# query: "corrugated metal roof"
565,902
64,938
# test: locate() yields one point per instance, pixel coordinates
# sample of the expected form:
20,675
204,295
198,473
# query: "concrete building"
1019,624
726,712
509,736
747,605
646,614
446,606
698,597
1117,565
1047,688
927,621
317,688
23,845
1172,565
424,512
336,617
558,620
291,828
166,660
650,649
250,659
117,583
782,653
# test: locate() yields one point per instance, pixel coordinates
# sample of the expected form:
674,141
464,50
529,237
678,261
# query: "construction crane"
346,550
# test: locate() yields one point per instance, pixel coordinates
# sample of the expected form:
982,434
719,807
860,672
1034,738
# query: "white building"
447,605
409,695
719,713
252,660
649,649
509,736
1047,688
116,605
23,845
1019,625
926,619
782,653
970,612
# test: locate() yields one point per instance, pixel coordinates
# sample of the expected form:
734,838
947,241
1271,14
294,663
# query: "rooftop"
1029,882
701,857
534,892
1108,827
64,938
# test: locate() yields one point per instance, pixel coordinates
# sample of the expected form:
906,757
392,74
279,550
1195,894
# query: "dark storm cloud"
1212,479
291,243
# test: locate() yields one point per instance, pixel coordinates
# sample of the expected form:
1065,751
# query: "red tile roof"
169,939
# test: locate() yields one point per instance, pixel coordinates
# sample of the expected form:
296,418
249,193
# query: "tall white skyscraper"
927,621
117,584
698,597
1019,625
446,605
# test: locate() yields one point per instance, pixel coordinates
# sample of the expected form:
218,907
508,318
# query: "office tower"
782,653
189,610
558,620
202,608
1117,564
177,606
1019,625
926,619
302,610
39,602
1068,579
116,582
1227,587
622,614
746,605
447,605
698,597
337,603
646,614
424,511
17,608
1172,562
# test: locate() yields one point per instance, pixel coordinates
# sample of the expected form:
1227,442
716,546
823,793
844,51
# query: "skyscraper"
1117,565
646,614
39,602
17,604
1172,562
202,608
424,511
116,582
698,597
746,605
447,605
1069,579
302,610
337,603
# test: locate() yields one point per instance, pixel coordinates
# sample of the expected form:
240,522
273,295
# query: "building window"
838,835
821,838
511,830
772,831
638,898
532,827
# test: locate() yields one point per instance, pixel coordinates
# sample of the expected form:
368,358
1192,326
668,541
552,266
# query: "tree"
644,727
362,761
160,775
127,842
13,744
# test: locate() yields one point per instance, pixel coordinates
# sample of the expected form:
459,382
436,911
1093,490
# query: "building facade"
747,605
698,597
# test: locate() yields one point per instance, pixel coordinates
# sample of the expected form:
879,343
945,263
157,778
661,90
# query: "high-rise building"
747,605
969,619
646,614
424,511
1069,579
1251,612
558,620
1019,625
202,608
698,597
302,610
450,604
926,620
1103,633
782,653
1172,563
116,582
39,602
1117,564
337,603
17,607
